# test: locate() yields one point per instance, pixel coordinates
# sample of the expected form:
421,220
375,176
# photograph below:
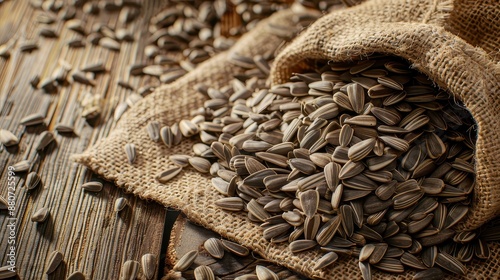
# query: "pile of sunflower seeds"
364,158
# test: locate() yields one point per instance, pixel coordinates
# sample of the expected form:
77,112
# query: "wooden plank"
83,226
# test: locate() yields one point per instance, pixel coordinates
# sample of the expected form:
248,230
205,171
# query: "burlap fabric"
413,30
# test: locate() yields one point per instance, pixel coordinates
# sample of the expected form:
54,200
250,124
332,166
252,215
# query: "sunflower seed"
130,152
94,67
450,263
360,150
54,260
366,252
40,215
214,247
203,272
130,270
455,215
264,273
153,129
32,180
109,43
311,226
4,204
377,163
326,260
186,261
22,166
378,253
200,164
301,245
44,140
120,109
366,271
362,120
93,186
481,250
230,203
396,143
235,248
167,136
28,46
351,169
33,119
77,275
390,83
120,204
390,265
432,273
7,138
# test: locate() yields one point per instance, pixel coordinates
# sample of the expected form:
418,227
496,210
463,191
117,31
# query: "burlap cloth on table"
421,31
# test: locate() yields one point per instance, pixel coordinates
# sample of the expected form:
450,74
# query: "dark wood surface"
83,226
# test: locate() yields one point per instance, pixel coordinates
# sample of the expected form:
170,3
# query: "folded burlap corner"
420,31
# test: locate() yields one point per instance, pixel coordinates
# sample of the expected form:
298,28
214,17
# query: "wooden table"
94,238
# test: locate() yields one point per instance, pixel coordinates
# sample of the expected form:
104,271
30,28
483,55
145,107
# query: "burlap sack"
410,29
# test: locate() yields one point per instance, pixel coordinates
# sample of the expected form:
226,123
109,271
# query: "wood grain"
83,226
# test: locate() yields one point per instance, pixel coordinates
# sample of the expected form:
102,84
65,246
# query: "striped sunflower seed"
130,151
432,273
33,119
356,95
450,263
7,138
22,166
153,130
366,252
44,140
379,252
264,273
40,215
186,261
390,265
4,204
148,264
235,248
93,186
360,150
120,204
365,269
200,164
203,272
32,180
77,275
130,270
230,203
214,247
301,245
168,174
326,260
